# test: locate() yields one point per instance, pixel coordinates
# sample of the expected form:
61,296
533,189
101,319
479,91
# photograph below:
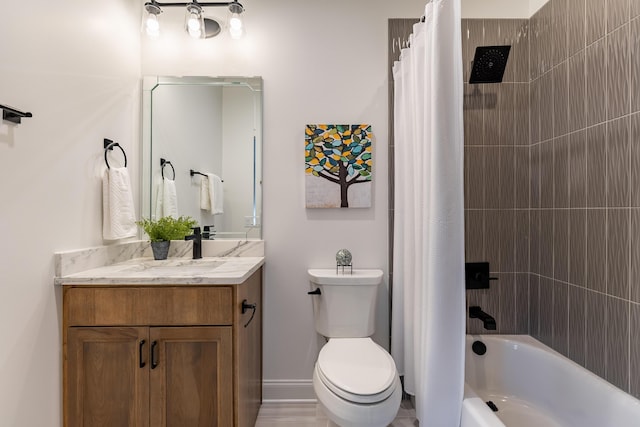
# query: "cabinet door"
107,383
191,377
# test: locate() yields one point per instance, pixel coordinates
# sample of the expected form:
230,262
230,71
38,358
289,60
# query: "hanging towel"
159,199
205,195
170,198
118,215
215,193
166,199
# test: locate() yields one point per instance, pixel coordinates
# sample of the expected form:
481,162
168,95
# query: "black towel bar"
12,115
192,173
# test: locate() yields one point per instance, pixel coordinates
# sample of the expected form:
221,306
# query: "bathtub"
533,385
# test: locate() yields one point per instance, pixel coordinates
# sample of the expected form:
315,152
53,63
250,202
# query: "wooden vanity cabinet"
174,356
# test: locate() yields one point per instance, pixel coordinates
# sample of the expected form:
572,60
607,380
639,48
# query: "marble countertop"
172,271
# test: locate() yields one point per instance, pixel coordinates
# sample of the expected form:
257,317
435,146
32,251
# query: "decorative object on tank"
337,157
343,257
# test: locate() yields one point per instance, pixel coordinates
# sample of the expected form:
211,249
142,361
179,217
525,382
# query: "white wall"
321,62
77,70
491,9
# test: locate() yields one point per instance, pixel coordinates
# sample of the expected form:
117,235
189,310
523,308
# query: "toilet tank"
346,305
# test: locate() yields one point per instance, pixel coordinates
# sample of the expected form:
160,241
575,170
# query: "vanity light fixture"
194,20
236,28
151,23
195,23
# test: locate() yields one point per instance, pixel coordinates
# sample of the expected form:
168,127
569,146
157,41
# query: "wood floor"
310,415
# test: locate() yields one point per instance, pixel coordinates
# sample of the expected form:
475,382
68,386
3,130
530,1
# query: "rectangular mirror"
211,126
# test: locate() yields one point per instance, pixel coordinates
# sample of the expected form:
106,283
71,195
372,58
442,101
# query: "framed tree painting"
338,166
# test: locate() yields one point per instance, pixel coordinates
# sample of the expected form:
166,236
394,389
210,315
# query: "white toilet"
355,379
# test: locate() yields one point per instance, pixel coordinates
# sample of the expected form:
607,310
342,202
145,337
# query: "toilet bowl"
356,383
355,380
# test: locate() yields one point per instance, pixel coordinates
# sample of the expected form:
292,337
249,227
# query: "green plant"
167,227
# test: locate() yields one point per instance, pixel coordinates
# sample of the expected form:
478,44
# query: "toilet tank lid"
357,365
359,276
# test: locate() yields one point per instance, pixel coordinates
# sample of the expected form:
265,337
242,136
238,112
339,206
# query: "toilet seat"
357,370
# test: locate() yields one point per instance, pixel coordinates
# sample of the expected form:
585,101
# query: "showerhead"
489,64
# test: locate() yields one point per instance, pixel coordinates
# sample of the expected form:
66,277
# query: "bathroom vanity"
178,343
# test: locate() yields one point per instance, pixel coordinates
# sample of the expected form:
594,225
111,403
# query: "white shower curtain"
428,321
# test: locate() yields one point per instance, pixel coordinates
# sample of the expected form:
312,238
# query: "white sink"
176,267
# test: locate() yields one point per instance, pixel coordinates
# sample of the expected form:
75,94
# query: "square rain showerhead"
489,63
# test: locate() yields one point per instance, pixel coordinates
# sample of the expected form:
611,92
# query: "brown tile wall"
552,190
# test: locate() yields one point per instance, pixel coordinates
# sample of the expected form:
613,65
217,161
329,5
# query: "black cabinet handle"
246,306
154,361
142,364
316,292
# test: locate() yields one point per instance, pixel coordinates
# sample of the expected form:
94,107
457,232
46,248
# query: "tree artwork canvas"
338,166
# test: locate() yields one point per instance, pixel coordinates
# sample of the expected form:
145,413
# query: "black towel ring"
108,146
163,163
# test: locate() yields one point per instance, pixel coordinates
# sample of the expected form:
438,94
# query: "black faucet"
475,312
197,242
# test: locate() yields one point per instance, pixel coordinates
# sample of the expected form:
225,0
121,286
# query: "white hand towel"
205,197
216,194
159,199
170,198
118,212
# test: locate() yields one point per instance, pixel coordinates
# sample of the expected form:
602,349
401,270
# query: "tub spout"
475,312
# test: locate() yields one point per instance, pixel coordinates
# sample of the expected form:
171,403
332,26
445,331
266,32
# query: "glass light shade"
236,33
196,33
194,21
235,22
152,26
236,26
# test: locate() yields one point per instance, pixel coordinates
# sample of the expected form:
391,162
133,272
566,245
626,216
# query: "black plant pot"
160,249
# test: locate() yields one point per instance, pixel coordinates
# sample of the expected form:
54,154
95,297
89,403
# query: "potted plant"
162,231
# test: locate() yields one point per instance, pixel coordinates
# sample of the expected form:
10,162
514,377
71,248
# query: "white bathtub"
534,386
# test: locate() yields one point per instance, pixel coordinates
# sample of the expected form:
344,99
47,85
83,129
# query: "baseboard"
288,391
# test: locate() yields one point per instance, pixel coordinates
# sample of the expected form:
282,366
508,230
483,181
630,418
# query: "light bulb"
152,26
193,24
195,33
235,22
236,33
